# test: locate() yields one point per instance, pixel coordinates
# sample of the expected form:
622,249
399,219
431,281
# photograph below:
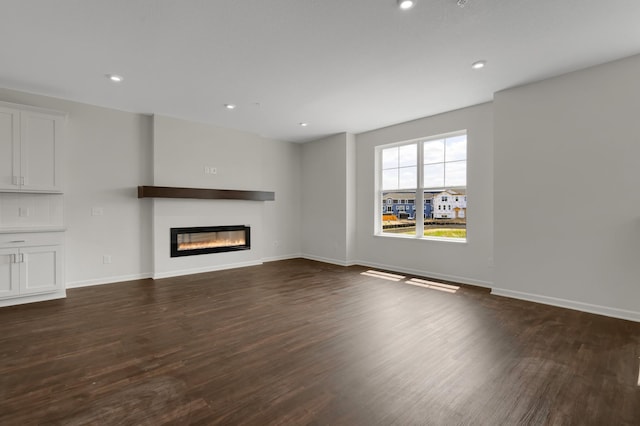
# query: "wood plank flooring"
299,342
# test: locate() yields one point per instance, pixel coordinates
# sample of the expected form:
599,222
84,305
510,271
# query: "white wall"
243,161
282,217
45,210
351,200
327,199
107,155
567,205
468,262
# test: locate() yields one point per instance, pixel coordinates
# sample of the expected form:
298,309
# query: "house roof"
453,192
410,195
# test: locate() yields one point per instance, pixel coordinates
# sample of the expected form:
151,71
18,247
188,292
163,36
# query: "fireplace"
209,239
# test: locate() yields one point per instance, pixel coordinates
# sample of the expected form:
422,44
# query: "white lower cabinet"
31,264
9,273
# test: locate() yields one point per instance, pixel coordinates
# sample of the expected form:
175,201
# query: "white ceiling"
341,65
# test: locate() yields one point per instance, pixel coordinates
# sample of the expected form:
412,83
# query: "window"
432,172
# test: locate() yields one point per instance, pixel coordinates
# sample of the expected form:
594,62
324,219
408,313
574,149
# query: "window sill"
413,237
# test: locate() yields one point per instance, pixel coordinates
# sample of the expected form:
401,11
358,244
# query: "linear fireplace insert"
209,239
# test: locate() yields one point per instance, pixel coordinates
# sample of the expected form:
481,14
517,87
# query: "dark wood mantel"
203,193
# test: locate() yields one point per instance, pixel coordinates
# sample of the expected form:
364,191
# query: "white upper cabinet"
9,148
31,144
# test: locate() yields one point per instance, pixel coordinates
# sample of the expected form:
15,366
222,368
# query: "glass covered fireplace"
209,239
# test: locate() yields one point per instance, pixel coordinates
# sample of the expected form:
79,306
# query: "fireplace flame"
209,244
209,239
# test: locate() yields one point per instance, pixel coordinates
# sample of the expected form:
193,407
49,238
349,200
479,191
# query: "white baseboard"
191,271
21,300
282,257
427,274
111,280
553,301
108,280
327,260
570,304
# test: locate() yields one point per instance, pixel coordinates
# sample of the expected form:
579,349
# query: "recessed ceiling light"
304,124
406,4
478,64
115,78
229,106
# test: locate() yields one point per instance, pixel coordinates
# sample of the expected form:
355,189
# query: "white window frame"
419,190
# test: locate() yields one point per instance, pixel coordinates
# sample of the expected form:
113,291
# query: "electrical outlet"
209,170
97,211
106,259
23,211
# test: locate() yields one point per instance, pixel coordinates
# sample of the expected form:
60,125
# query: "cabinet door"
40,150
9,148
40,269
9,271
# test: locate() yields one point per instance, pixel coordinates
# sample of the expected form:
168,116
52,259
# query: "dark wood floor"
301,342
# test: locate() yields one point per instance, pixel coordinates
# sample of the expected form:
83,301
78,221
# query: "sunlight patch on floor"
383,275
447,288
